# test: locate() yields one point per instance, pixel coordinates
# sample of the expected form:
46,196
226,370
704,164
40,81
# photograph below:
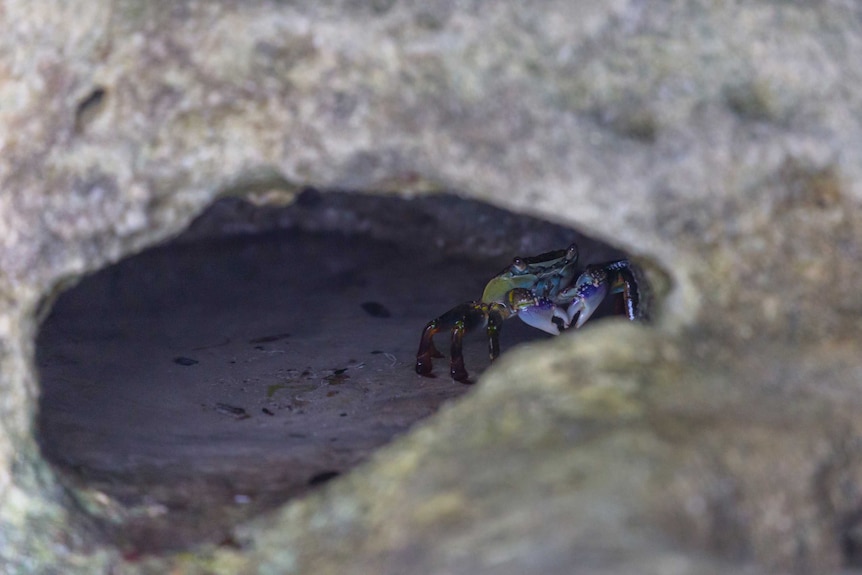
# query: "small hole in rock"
323,477
89,107
224,363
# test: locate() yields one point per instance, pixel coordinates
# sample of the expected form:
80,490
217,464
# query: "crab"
545,291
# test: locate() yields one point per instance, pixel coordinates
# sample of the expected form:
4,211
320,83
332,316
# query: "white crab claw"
586,299
541,316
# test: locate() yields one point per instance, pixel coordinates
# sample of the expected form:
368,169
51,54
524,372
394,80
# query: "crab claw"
588,292
541,316
538,312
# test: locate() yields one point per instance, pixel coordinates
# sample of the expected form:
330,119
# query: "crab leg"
456,366
427,349
624,283
460,319
495,323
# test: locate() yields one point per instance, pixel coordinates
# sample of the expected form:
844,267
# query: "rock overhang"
680,134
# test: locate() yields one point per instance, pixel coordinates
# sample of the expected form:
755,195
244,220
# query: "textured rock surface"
718,141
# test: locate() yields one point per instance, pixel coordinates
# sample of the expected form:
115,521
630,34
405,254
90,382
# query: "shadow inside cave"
264,352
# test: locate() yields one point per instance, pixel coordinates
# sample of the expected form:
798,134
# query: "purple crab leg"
624,283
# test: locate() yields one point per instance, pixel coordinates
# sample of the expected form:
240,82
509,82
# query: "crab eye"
572,253
519,265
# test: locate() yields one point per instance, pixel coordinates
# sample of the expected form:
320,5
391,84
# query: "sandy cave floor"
207,380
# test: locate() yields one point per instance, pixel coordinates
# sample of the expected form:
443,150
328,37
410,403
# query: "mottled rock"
715,141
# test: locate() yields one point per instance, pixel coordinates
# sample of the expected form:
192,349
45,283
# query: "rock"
712,141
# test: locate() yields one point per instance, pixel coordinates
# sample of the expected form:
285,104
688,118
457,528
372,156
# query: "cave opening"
262,353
